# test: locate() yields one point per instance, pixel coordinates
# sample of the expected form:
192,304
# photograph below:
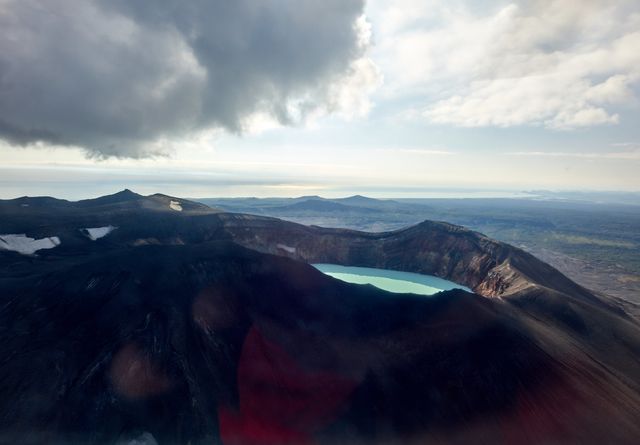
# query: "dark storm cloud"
118,76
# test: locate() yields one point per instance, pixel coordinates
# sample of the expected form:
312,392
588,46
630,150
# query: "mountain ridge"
199,302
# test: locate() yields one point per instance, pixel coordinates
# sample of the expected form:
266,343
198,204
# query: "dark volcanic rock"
168,327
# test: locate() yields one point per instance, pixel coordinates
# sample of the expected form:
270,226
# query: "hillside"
210,327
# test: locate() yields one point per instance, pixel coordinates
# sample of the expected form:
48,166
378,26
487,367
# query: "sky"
389,98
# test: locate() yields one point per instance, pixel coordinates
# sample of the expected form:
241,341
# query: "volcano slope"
182,324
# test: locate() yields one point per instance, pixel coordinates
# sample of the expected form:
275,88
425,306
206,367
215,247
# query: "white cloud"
555,63
631,155
350,97
419,151
135,79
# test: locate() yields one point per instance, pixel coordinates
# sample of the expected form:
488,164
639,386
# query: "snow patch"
96,233
286,248
25,245
175,205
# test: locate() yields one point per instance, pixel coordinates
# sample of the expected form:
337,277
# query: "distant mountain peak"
123,196
358,198
126,193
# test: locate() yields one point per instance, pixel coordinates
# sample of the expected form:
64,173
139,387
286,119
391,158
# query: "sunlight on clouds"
558,64
133,79
350,97
346,96
632,155
351,94
418,93
418,151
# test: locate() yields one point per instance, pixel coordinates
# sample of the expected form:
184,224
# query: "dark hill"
125,195
152,339
364,201
358,200
36,201
320,205
193,326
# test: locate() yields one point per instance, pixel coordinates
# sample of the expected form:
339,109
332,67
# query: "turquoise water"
390,280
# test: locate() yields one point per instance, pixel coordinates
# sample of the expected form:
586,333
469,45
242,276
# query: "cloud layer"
556,63
123,78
